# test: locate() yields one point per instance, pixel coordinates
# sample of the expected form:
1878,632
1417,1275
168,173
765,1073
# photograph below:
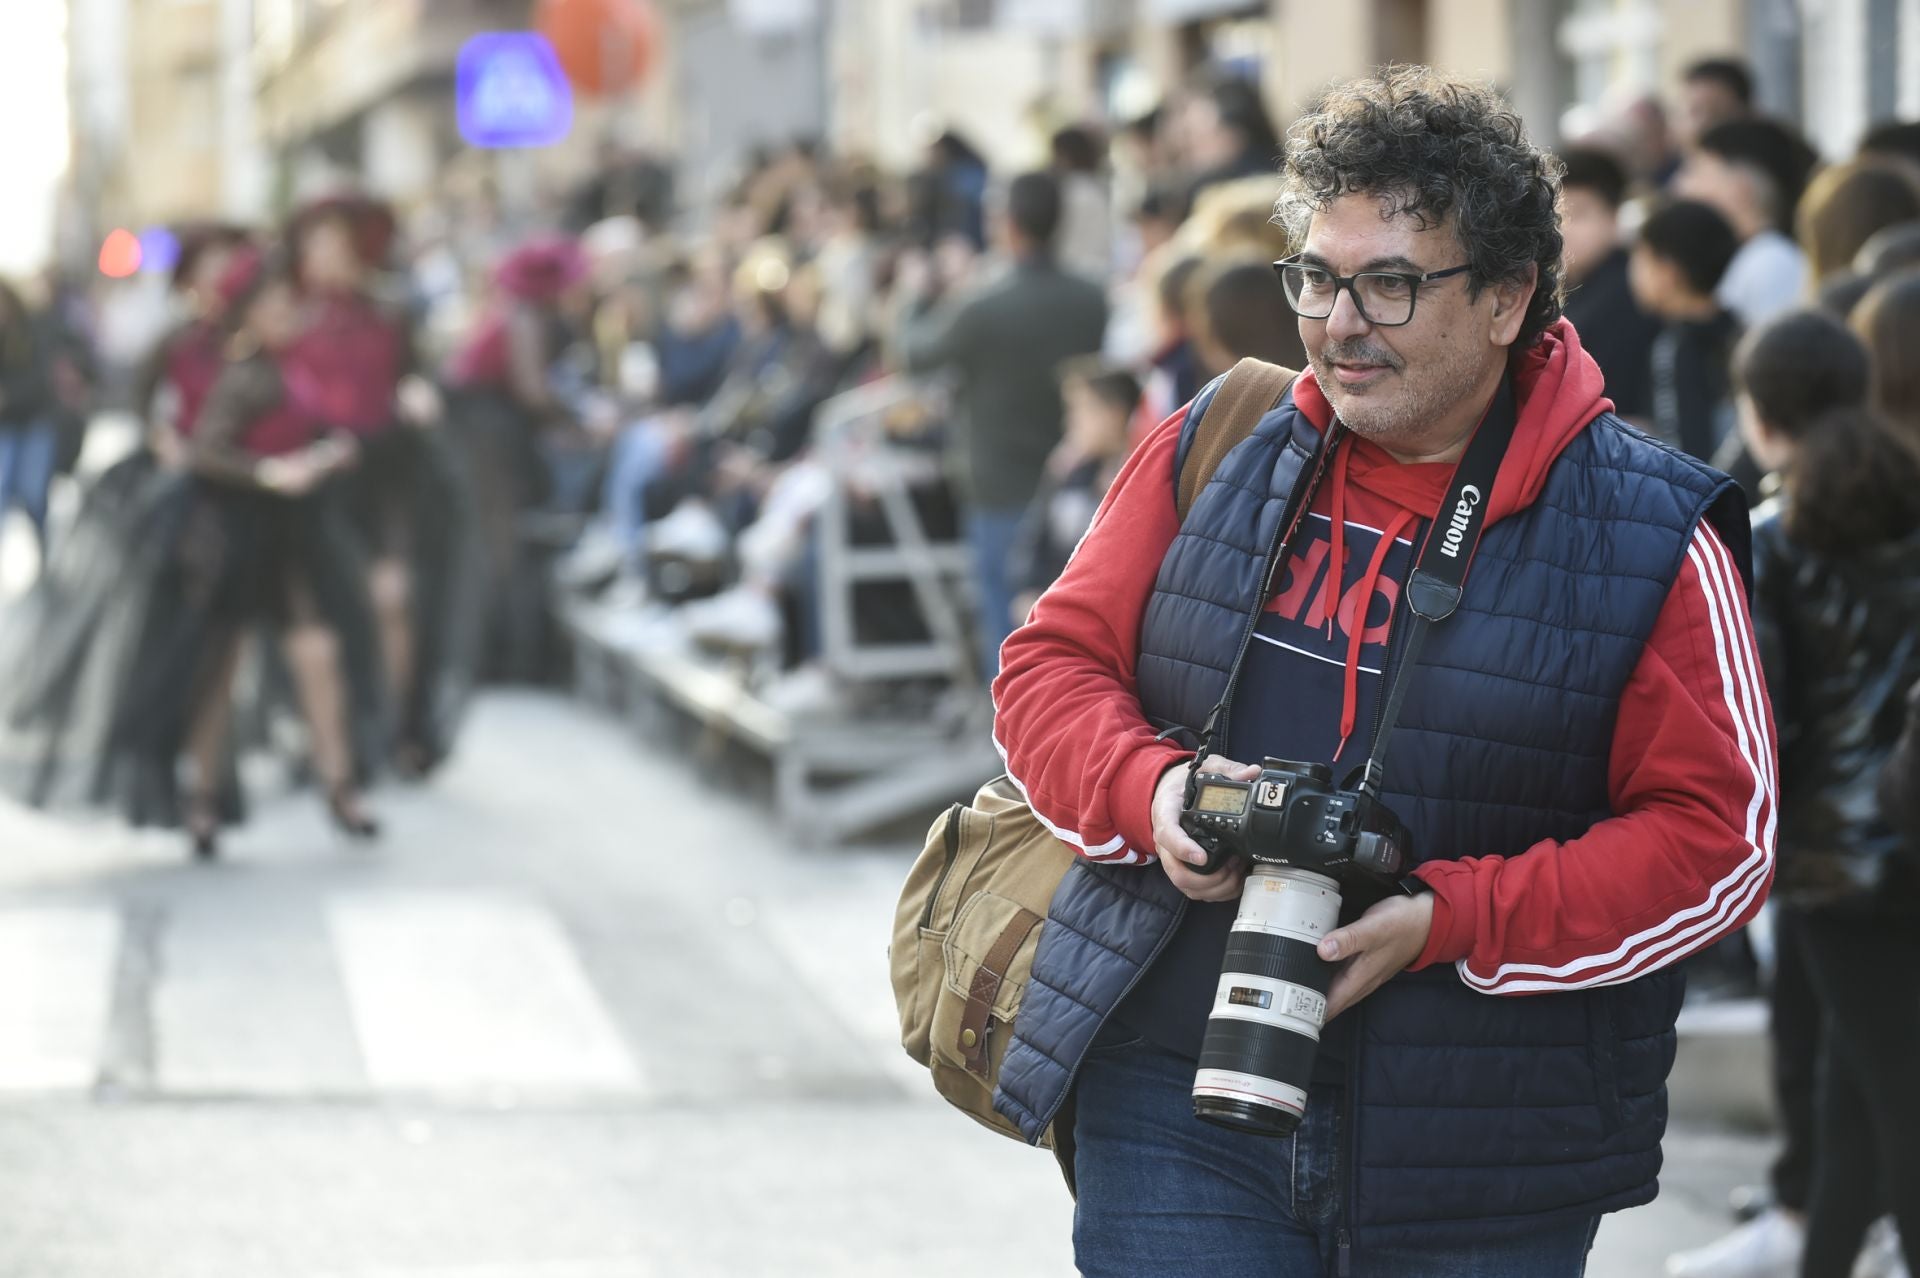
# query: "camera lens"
1271,1002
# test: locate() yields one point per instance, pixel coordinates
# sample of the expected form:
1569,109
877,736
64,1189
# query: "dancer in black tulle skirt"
403,494
261,540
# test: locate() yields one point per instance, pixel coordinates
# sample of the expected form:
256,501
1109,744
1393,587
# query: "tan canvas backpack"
971,913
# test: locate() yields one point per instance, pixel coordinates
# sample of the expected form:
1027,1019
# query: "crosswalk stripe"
468,993
57,965
249,1003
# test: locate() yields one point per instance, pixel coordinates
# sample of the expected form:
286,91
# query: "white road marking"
470,993
57,965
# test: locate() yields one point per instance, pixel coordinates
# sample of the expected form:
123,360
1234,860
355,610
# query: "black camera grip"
1216,861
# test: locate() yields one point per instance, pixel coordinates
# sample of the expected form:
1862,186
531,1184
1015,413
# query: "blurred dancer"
262,543
510,401
176,379
356,355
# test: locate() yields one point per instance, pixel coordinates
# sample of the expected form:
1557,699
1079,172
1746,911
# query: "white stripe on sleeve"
1698,925
1113,852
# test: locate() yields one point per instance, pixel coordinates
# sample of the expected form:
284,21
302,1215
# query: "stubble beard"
1397,413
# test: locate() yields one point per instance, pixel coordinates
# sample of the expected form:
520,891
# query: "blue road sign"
510,91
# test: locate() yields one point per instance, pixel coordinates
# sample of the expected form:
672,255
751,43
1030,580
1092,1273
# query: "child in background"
1239,311
1101,400
1678,259
1175,374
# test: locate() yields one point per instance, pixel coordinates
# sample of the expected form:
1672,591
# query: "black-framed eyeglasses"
1384,298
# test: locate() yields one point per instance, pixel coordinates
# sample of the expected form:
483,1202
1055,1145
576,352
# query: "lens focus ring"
1279,958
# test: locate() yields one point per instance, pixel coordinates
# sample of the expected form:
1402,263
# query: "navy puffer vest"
1467,1110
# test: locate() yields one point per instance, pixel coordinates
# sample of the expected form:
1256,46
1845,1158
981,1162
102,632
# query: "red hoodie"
1685,859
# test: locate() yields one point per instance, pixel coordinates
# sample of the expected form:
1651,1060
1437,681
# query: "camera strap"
1439,576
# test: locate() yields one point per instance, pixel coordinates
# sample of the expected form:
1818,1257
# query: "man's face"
1392,384
1704,103
1591,228
1730,189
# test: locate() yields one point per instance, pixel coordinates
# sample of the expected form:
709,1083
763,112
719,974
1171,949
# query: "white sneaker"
1768,1246
692,532
741,618
1881,1258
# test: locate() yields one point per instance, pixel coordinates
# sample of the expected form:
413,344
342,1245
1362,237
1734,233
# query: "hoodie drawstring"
1337,565
1357,625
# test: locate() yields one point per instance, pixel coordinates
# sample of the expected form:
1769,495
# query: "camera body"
1293,815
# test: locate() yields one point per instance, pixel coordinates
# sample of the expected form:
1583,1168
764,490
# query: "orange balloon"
120,254
605,46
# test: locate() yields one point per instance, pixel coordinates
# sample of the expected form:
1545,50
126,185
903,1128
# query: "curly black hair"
1435,147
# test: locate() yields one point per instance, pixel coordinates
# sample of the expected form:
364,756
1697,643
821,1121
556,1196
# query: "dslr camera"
1304,837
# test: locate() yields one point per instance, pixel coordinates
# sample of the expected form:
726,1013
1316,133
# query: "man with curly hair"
1583,756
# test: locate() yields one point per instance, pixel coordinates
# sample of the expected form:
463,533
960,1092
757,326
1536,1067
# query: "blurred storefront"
194,108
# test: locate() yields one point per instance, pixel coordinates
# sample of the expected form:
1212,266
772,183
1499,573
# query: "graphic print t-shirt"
1289,703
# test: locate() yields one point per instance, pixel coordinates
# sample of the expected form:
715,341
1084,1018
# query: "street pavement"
586,1011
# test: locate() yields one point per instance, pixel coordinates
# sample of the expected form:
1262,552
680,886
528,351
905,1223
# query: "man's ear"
1510,301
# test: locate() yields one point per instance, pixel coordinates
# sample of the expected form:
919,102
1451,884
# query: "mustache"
1358,352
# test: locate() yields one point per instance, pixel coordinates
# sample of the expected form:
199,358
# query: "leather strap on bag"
1250,392
987,979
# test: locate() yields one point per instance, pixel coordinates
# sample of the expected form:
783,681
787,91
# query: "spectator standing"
1712,92
1004,342
1086,205
1836,605
1752,172
28,441
1227,134
1600,303
1846,205
1677,262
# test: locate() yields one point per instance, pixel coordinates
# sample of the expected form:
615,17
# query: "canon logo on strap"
1462,516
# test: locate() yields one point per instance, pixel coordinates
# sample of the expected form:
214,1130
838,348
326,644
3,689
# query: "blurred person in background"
1678,259
356,352
29,442
1896,140
267,543
1846,205
1173,367
1101,401
1085,237
948,195
173,383
509,400
1225,134
1752,172
1836,606
1239,311
1600,303
1712,92
1003,341
1889,251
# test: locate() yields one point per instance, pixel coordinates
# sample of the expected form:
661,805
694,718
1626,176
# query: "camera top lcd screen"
1222,798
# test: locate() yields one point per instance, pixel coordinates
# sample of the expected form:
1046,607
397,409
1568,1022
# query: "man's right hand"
1177,851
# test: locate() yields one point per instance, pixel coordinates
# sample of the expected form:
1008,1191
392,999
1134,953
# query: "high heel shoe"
203,827
343,806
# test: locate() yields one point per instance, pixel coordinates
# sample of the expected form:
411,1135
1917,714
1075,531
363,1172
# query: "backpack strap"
1251,391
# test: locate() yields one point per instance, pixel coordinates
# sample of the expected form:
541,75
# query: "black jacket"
1900,780
1617,333
1840,643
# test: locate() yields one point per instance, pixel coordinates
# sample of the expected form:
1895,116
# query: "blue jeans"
26,471
641,455
991,534
1162,1193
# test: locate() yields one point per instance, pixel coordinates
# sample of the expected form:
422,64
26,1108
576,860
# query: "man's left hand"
1376,947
